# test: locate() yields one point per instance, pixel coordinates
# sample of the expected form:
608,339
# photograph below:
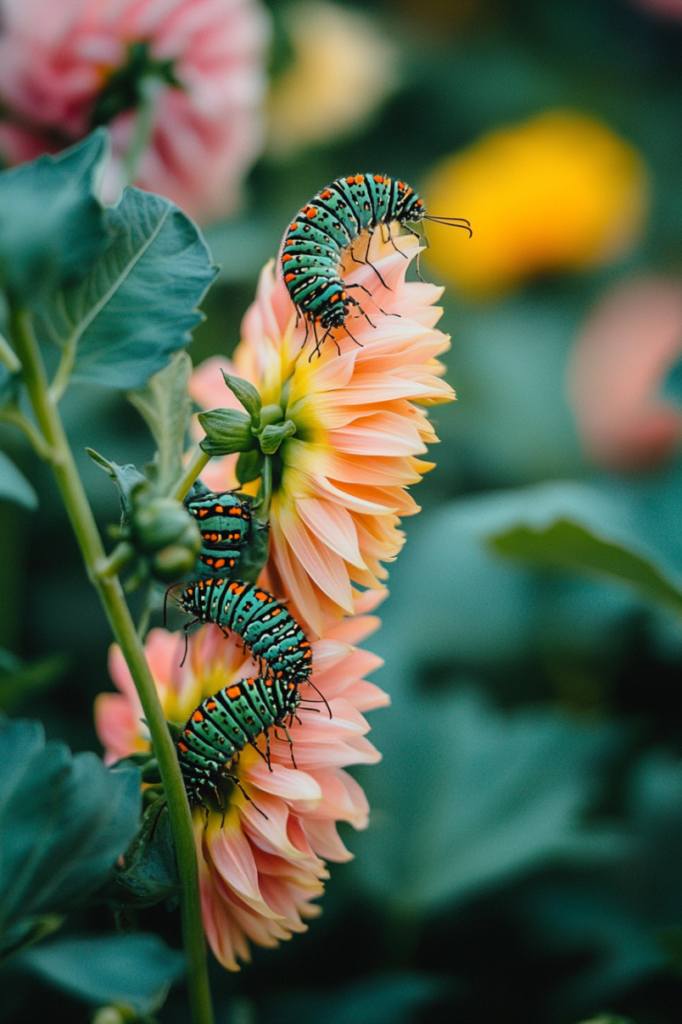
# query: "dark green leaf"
227,431
564,544
139,302
149,873
64,820
51,225
273,435
247,395
166,407
14,486
135,969
254,554
379,999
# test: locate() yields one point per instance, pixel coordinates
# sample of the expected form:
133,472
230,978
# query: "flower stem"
118,613
150,87
8,356
199,460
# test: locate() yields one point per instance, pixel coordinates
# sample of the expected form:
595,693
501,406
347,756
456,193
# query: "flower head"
262,865
361,427
66,67
560,192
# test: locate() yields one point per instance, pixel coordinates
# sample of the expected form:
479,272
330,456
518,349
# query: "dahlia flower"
559,192
69,65
262,866
622,356
360,428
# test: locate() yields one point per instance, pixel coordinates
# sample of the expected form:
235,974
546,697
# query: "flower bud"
161,522
172,562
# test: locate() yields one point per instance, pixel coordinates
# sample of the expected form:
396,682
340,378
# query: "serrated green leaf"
139,302
166,407
247,395
64,820
51,224
135,969
273,435
227,431
14,486
566,544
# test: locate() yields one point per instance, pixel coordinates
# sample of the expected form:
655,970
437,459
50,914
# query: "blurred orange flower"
623,353
559,192
60,62
260,867
360,427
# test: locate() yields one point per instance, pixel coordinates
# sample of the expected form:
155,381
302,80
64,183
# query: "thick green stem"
8,356
111,595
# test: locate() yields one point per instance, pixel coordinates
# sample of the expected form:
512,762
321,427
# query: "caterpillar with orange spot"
325,229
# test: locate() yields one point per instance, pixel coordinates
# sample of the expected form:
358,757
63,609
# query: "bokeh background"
524,859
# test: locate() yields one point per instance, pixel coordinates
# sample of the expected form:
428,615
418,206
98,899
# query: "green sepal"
126,478
255,554
273,435
149,874
249,467
247,394
227,431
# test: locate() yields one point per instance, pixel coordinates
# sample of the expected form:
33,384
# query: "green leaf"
247,395
126,478
381,999
566,544
166,407
14,486
227,431
135,969
139,302
517,786
22,681
51,224
273,435
64,820
149,873
254,554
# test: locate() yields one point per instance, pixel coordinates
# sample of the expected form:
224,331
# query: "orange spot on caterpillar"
203,512
218,508
234,691
197,716
378,178
351,180
183,747
311,211
211,706
287,256
359,178
220,563
326,194
293,227
261,595
420,202
289,277
291,241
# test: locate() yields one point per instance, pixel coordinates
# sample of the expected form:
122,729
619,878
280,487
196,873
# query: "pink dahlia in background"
361,426
621,358
68,65
259,871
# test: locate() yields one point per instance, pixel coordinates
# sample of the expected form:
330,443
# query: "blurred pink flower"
360,427
620,361
668,8
260,869
57,61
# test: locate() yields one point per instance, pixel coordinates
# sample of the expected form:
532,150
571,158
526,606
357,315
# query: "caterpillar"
224,523
269,631
224,724
322,231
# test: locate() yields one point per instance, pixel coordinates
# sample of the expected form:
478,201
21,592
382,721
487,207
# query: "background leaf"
135,969
570,545
64,820
51,224
14,486
139,302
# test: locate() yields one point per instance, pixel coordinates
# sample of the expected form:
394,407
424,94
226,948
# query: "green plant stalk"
8,356
123,627
199,460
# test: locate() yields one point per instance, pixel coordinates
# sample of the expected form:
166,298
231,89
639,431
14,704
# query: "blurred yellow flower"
559,192
343,68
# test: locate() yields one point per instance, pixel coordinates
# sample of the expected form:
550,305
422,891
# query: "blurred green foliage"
524,858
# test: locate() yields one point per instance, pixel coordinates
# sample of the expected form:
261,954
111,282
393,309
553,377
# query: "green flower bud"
163,521
172,562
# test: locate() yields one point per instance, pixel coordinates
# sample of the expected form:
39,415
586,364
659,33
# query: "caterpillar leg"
233,778
372,298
